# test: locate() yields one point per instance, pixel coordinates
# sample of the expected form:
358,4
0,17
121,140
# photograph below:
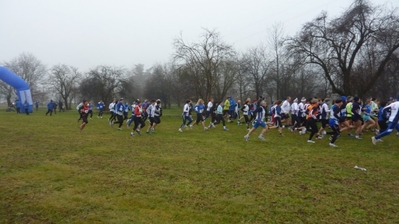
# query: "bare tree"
282,66
158,85
29,68
242,79
102,82
181,83
225,78
387,84
7,91
335,45
307,83
257,65
203,59
64,80
133,85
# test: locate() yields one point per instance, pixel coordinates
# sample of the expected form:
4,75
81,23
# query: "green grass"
51,173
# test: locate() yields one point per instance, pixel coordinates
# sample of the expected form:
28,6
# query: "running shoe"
374,140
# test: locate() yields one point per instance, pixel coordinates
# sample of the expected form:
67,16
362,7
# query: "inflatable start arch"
23,90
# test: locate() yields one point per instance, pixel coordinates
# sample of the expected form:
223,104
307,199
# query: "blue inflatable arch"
23,90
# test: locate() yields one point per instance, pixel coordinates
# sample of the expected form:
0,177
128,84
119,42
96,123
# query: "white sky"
87,33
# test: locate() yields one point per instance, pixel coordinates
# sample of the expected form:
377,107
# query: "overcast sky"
87,33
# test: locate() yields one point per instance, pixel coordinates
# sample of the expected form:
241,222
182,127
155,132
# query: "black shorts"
84,118
246,118
302,120
356,118
157,120
208,113
233,114
284,116
225,112
324,123
383,126
200,118
152,120
277,121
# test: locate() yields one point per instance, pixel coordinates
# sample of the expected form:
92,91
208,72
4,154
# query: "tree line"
355,53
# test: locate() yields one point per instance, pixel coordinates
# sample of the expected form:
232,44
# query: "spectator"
61,106
26,107
50,108
55,107
18,105
100,107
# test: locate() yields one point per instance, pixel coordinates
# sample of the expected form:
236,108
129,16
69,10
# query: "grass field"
52,173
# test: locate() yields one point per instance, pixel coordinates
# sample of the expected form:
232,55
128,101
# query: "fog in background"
87,33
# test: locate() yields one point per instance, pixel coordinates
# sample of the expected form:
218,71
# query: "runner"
312,119
334,121
186,116
84,112
259,121
393,122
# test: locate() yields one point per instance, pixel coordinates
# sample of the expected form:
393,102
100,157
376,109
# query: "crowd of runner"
349,115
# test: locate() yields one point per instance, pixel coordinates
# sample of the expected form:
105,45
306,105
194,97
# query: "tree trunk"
67,106
346,84
9,100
